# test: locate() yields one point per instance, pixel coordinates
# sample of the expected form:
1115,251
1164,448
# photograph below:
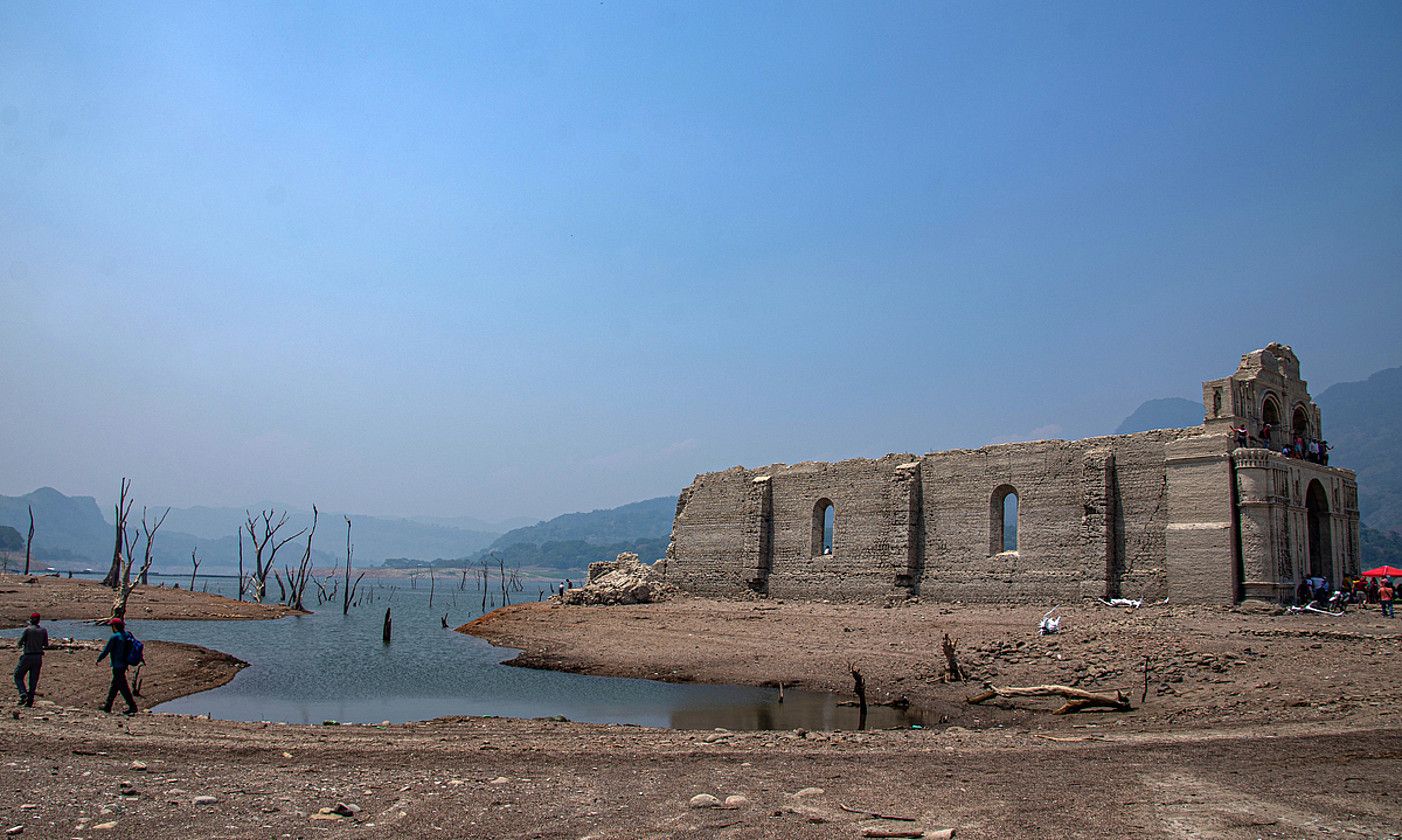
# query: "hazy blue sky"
524,258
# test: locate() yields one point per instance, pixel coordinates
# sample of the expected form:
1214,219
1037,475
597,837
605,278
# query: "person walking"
1385,597
31,659
116,650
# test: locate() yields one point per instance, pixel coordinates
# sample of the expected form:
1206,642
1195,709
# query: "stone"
138,766
13,830
810,791
704,800
499,780
346,809
205,799
105,826
625,580
736,801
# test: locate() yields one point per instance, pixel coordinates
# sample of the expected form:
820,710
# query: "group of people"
1357,590
122,651
1309,449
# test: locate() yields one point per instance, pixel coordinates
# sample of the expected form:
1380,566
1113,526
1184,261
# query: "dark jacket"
34,639
117,648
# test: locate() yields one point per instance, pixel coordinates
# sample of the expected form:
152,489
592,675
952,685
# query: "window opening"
1003,516
824,527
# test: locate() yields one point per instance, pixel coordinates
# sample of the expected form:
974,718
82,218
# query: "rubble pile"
626,580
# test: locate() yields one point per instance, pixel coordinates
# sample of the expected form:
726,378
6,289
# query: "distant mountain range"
72,532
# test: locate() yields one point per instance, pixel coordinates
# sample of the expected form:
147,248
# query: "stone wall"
1091,518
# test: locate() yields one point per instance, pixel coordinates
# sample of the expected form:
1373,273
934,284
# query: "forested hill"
648,519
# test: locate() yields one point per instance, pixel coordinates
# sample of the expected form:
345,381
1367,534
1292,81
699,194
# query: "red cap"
117,622
33,616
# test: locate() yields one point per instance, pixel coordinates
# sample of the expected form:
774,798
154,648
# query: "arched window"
1270,416
1300,423
1002,517
824,527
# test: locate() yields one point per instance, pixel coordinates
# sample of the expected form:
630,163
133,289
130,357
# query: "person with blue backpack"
123,650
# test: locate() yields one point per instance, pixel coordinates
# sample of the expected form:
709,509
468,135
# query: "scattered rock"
205,800
106,826
810,791
704,800
346,809
138,766
13,830
626,580
736,801
499,780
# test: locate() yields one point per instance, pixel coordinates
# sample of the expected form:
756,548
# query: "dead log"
876,814
1076,698
953,673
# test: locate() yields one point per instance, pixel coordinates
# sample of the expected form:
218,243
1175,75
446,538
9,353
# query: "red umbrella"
1384,571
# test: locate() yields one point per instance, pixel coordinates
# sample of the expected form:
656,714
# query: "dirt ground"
1208,667
72,676
1255,726
70,598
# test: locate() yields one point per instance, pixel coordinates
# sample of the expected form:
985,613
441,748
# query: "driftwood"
1076,698
951,660
877,814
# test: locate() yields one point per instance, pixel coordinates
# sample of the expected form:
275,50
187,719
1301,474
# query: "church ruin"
1185,513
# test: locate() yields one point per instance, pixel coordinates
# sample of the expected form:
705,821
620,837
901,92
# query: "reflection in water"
325,666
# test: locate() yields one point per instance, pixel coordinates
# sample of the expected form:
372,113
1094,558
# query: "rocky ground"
1255,726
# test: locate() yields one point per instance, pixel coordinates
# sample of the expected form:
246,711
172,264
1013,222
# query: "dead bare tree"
29,542
859,687
953,673
348,596
297,581
125,585
243,581
113,580
263,534
195,561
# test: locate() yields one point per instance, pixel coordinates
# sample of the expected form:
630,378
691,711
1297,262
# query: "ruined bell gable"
1180,513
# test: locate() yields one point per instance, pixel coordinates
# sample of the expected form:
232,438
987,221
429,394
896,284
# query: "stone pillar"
906,537
759,534
1200,536
1103,567
1261,513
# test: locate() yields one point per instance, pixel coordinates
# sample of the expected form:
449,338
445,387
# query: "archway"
1270,416
1300,423
1002,520
1319,542
824,527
